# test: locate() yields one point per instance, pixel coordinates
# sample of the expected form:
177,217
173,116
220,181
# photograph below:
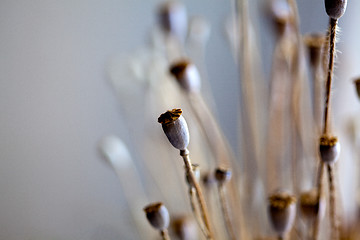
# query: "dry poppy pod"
282,212
186,75
175,128
314,43
310,205
185,228
208,179
172,18
157,215
222,175
196,171
281,14
329,149
357,85
335,8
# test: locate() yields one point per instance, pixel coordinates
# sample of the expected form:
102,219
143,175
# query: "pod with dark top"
329,149
357,86
175,128
172,18
157,215
222,175
186,74
335,8
311,206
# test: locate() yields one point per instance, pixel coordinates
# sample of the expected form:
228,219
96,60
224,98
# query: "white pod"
172,18
357,86
329,149
196,171
335,8
187,75
282,212
222,175
311,206
157,215
185,228
175,128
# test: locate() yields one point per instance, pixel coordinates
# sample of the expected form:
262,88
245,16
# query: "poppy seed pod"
281,14
186,75
282,212
172,18
357,85
335,8
314,43
329,149
185,228
157,215
310,205
175,128
222,175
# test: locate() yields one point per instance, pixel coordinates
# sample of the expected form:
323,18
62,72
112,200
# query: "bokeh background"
56,103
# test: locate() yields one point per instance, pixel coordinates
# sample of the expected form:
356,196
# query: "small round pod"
175,128
172,18
282,212
329,149
184,228
196,171
280,13
314,43
187,75
222,175
357,86
335,8
310,205
157,215
208,179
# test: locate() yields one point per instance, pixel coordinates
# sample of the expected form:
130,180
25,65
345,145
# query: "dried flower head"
357,85
186,75
329,149
196,171
157,215
185,228
282,212
281,15
335,8
208,179
314,43
172,18
310,205
175,128
222,175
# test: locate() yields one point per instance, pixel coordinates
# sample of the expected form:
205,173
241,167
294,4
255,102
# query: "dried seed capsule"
335,8
329,149
222,175
175,128
281,15
282,212
357,85
172,18
187,75
310,205
157,215
314,43
196,171
185,228
208,179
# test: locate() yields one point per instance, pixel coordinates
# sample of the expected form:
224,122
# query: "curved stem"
196,212
225,212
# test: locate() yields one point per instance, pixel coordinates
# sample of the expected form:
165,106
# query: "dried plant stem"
195,210
225,212
199,195
164,234
332,38
319,196
332,205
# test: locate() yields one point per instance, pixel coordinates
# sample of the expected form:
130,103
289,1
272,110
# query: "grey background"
56,103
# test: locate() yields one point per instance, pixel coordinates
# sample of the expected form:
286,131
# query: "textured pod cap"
335,8
329,149
175,128
157,215
310,205
222,175
185,228
172,18
357,85
282,212
186,74
314,43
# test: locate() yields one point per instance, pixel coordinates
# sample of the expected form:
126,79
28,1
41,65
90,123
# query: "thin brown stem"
196,212
199,195
164,234
225,212
319,196
332,41
332,205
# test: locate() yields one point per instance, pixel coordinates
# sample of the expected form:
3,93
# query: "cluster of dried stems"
296,123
